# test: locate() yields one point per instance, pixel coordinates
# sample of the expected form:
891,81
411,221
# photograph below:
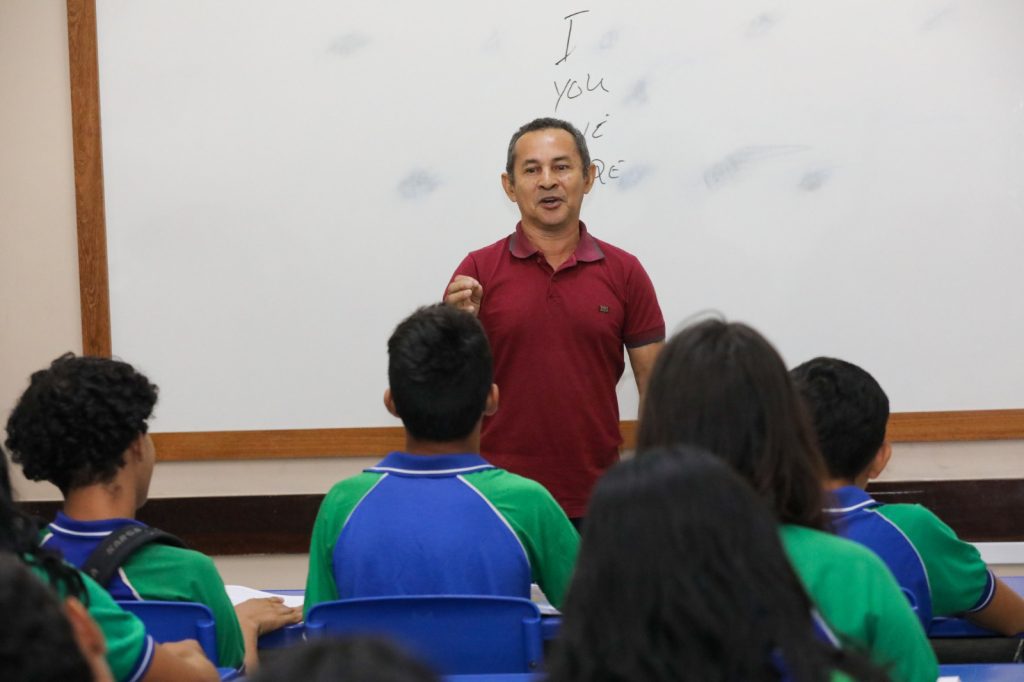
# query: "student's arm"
1004,613
180,662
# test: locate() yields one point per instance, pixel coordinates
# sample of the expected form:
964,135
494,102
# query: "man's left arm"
641,359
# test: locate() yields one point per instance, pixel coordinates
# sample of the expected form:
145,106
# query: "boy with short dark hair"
438,518
939,573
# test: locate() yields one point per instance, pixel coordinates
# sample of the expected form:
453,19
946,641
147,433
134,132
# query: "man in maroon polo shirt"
558,306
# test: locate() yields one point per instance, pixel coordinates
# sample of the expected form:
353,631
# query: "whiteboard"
286,181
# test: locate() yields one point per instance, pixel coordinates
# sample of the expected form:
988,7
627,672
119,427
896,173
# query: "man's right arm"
180,662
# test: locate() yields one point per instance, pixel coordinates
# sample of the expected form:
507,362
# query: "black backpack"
118,546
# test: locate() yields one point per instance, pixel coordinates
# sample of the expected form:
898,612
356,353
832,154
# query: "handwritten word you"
572,88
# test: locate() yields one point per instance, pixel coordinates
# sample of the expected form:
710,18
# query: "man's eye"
530,170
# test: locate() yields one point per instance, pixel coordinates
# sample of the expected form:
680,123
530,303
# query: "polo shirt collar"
404,464
69,526
587,250
849,498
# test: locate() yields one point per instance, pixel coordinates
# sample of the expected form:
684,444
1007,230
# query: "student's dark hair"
73,423
849,410
38,644
19,537
439,371
723,387
353,659
681,575
545,124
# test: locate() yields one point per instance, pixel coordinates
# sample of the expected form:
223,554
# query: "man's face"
548,185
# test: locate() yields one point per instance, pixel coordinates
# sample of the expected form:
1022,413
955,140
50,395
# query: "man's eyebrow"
564,157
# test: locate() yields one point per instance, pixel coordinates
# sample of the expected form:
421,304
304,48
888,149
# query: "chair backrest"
457,635
172,621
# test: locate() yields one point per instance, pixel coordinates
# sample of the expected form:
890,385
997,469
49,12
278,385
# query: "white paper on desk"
239,593
949,678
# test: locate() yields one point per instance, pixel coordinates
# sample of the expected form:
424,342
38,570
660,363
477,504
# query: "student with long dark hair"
682,576
723,387
131,652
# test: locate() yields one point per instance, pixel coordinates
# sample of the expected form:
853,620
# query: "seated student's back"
940,574
437,518
82,425
723,387
682,576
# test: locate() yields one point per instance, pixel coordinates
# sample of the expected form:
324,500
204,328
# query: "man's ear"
389,403
509,185
588,182
491,406
880,461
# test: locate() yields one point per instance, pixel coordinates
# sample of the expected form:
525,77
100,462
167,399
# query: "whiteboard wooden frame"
961,425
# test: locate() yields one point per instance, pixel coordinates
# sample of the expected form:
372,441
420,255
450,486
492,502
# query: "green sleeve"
165,573
860,600
959,580
126,636
334,511
549,538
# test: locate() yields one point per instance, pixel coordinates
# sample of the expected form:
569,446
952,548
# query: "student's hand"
267,614
465,293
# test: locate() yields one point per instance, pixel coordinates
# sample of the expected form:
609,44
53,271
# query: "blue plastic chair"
457,635
173,621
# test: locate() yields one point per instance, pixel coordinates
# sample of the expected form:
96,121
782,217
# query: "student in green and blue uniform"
941,574
682,576
130,652
82,425
721,386
437,518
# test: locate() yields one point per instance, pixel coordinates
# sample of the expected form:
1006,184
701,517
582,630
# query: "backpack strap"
121,544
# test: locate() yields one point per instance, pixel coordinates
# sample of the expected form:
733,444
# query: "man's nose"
547,178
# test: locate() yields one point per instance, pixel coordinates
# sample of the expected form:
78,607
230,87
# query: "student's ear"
491,406
880,461
509,185
137,448
389,403
89,638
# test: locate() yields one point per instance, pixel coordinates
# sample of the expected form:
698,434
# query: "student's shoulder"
357,485
506,482
913,519
172,557
831,553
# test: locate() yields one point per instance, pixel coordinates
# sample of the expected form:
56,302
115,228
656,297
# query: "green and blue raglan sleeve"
337,506
550,540
129,647
162,572
960,581
860,600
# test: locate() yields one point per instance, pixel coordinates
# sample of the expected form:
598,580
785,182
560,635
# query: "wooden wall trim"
978,510
377,441
94,287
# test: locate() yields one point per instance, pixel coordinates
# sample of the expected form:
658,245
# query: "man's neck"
557,244
100,501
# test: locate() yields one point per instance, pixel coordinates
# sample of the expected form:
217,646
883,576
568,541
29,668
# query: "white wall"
39,308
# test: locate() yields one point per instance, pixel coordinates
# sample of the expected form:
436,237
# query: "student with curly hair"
82,425
681,576
130,652
721,386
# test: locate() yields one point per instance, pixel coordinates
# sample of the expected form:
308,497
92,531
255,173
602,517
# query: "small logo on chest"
602,309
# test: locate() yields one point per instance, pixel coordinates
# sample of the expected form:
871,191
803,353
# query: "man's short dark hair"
545,124
73,423
850,412
439,370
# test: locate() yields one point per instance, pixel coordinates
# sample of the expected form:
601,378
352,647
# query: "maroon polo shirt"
557,339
